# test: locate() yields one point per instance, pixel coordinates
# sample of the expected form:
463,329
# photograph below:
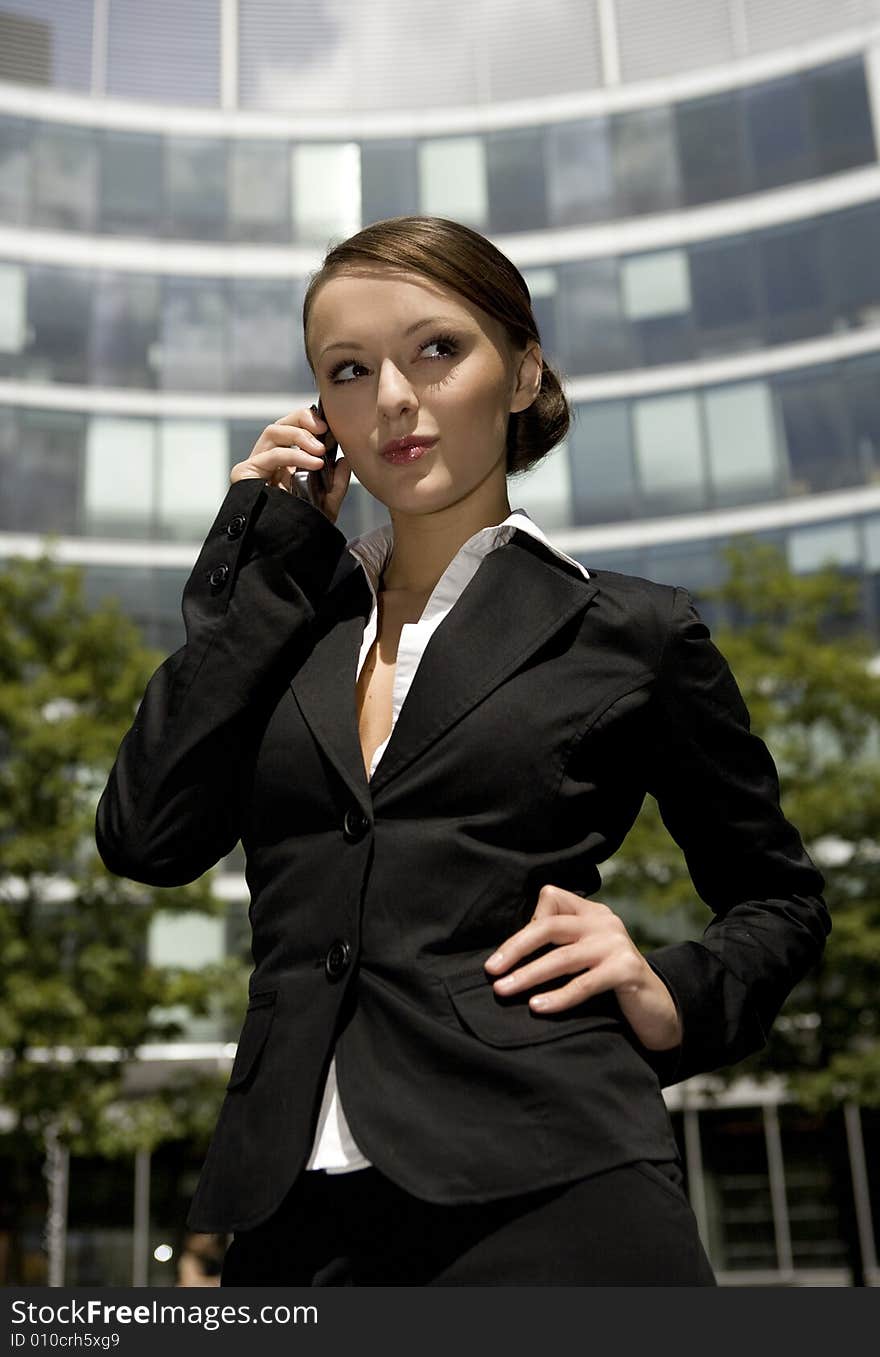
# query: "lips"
403,450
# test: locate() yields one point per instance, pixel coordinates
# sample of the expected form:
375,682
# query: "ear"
528,379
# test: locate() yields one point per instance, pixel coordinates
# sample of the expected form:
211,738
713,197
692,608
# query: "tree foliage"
812,685
80,992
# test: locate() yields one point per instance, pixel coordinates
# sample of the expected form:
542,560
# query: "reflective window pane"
711,148
259,192
794,282
65,177
59,308
195,187
822,544
655,284
741,443
861,388
646,175
820,452
515,168
131,182
119,476
656,298
326,191
125,334
594,336
580,185
389,179
453,181
840,116
41,455
15,154
193,476
193,353
669,452
603,482
852,251
726,292
13,315
778,131
263,333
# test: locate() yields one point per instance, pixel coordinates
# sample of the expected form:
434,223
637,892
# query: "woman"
426,739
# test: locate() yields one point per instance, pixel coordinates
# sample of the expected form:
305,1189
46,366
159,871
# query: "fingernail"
539,1001
495,960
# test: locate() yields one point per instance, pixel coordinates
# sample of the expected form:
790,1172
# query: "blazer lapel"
324,685
514,603
518,598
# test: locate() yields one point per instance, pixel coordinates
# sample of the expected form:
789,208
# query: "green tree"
80,994
812,685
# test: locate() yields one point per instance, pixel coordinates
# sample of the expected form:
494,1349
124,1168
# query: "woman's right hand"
290,445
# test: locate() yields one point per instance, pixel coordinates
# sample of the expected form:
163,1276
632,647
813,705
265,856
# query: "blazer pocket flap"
257,1021
510,1022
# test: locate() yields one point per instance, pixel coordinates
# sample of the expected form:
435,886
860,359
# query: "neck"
424,544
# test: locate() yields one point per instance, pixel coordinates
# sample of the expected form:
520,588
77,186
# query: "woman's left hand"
593,946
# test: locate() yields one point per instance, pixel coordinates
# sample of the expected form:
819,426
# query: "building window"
118,489
646,175
195,188
657,301
326,191
594,335
13,312
453,181
259,192
65,177
711,148
817,439
125,330
669,455
840,116
823,543
389,179
515,167
580,182
741,443
15,166
726,295
132,182
264,334
193,476
603,482
193,353
778,132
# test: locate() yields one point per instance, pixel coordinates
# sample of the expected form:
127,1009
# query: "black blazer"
544,708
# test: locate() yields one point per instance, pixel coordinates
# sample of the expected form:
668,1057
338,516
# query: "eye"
444,341
340,367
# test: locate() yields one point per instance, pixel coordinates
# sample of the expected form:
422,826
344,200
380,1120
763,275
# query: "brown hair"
461,259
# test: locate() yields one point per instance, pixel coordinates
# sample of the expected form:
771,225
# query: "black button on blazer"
543,710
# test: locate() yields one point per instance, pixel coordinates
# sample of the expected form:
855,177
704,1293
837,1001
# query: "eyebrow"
417,325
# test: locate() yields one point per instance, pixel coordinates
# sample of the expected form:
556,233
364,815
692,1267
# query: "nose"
394,393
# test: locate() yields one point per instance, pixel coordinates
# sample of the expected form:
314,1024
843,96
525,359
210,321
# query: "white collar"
373,548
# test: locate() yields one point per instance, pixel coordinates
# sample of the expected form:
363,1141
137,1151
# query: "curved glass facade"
666,157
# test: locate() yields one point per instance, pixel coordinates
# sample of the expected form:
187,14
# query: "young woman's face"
396,354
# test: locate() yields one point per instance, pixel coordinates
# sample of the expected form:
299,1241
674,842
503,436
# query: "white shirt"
334,1147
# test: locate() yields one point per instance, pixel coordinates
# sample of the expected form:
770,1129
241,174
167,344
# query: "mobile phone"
324,476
